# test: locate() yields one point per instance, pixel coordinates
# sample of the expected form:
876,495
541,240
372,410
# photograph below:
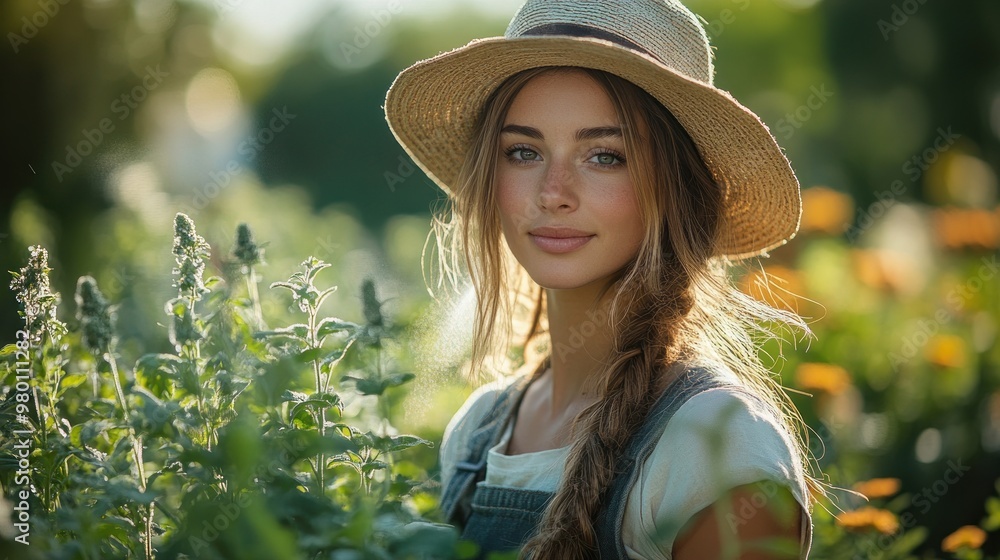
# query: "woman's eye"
608,159
525,153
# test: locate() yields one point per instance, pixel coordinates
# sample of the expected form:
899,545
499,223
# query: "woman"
601,188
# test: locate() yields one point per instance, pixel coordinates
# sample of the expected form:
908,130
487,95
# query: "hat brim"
433,105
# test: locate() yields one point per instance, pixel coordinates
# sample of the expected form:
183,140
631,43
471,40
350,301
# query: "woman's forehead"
566,98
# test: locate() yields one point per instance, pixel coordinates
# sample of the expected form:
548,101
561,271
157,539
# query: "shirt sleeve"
454,442
717,440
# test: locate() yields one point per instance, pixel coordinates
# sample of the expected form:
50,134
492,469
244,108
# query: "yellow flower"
968,536
866,518
878,487
828,378
826,210
946,350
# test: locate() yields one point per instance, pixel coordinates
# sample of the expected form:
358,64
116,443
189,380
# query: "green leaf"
287,285
907,542
993,505
366,439
298,331
310,442
314,265
309,355
397,379
72,380
317,402
74,435
377,387
333,356
389,444
93,428
330,325
374,465
294,396
324,294
158,361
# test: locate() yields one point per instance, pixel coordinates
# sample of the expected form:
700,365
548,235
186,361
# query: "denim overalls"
502,519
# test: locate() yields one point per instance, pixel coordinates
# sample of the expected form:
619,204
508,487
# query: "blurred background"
120,113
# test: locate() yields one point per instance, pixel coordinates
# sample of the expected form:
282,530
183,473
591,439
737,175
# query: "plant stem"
314,343
255,298
137,452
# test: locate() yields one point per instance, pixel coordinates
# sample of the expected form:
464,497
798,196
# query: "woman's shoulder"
720,438
478,404
469,417
733,430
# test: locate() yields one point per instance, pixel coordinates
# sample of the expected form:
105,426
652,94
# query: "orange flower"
957,228
878,487
826,210
866,518
828,378
946,350
968,536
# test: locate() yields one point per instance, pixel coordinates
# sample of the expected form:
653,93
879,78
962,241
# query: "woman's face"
563,165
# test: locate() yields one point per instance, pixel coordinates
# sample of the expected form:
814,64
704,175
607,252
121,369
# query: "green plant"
234,445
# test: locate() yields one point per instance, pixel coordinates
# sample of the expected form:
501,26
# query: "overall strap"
608,523
456,498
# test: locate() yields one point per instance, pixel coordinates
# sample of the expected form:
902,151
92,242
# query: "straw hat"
659,45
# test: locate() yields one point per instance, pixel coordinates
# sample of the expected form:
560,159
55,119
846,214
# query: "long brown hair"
675,299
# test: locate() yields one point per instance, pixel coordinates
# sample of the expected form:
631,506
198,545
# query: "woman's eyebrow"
529,131
598,132
582,134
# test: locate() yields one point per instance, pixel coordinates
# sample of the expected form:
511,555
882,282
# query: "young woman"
601,188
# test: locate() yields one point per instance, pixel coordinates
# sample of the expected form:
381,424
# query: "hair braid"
648,342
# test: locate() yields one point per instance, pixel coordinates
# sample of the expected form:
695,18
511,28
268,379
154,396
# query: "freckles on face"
562,164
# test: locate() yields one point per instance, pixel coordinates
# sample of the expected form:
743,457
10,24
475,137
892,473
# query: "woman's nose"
557,188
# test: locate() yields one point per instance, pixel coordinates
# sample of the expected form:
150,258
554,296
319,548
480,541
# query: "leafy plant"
234,445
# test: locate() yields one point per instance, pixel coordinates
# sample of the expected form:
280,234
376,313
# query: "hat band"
577,30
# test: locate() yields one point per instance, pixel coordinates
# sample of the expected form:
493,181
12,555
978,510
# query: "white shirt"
715,441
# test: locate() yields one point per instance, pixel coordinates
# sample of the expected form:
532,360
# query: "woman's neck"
581,342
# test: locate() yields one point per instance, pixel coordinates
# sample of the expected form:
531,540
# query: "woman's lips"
559,244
